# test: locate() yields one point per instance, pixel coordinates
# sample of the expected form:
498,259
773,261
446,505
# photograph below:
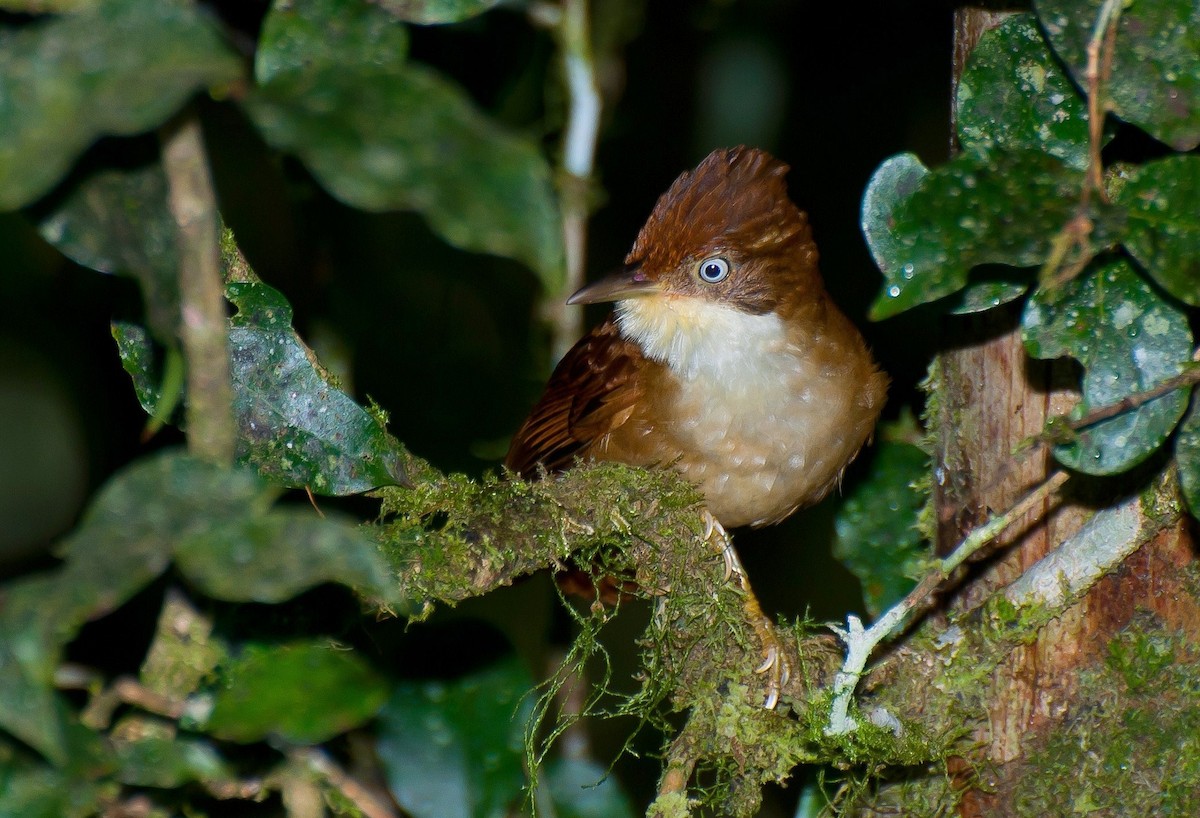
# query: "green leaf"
295,426
44,792
300,35
1128,340
877,536
124,541
452,749
386,135
137,359
979,296
1155,78
436,11
1187,455
1014,96
893,182
117,221
304,693
1164,223
583,789
152,754
275,557
1002,209
120,68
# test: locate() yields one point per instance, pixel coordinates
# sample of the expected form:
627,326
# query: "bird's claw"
775,664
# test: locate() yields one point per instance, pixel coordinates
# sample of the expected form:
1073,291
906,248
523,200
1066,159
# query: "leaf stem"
203,322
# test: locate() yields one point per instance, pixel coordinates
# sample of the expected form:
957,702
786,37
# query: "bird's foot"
775,664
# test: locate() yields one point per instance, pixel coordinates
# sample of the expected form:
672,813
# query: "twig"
203,330
1103,34
1075,233
573,29
319,761
1189,377
861,642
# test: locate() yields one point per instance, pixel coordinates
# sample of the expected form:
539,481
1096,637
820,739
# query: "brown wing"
591,393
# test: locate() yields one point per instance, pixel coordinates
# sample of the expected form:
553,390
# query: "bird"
724,357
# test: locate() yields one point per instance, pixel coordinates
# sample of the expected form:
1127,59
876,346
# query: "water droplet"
893,291
909,269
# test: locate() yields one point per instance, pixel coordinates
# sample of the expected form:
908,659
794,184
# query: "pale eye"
713,270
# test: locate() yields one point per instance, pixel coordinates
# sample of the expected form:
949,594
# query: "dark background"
449,342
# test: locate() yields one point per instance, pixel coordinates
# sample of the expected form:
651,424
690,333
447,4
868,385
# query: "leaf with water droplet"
1163,200
295,425
1155,78
1014,95
453,749
1128,340
980,296
1005,208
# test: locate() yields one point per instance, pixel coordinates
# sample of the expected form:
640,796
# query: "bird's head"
723,234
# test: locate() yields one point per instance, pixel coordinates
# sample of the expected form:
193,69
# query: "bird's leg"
774,662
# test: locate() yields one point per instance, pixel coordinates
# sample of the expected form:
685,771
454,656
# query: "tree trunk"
990,398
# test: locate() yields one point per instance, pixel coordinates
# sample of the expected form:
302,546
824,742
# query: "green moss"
1134,749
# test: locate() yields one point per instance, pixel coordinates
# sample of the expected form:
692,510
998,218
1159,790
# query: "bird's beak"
628,282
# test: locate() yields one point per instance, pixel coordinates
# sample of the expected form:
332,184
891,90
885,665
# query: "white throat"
702,339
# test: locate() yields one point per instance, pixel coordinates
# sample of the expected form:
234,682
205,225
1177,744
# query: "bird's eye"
713,270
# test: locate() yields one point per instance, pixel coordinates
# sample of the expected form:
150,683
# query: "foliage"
1019,195
259,670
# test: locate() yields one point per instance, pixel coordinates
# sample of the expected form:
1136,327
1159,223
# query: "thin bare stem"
1097,73
572,26
320,762
861,642
203,325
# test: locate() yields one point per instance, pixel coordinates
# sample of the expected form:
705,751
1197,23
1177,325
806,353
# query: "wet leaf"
137,359
877,536
1187,455
979,296
1155,78
453,749
119,68
305,693
295,426
893,182
389,135
436,11
1128,340
117,221
1164,223
1014,96
274,557
1002,209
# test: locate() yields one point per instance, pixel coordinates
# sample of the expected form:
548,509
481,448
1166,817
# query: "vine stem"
571,24
203,324
861,642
